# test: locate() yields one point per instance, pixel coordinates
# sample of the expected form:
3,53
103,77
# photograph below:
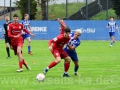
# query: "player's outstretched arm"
107,25
32,34
29,28
50,43
4,32
61,22
28,32
3,36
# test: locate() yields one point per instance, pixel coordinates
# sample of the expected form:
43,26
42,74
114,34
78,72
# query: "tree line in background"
22,5
116,7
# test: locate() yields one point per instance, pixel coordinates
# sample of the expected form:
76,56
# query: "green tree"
22,5
116,7
43,5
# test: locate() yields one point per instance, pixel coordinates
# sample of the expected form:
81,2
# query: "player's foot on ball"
65,75
30,53
28,68
45,70
8,57
19,70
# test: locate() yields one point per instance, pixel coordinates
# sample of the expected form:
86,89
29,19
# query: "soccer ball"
40,77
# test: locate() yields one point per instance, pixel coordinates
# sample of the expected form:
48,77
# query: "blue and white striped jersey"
73,42
26,24
112,26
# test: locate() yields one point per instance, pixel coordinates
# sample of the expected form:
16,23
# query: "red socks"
66,66
22,62
52,64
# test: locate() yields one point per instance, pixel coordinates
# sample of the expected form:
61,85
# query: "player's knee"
29,41
7,45
68,59
18,52
58,60
76,64
11,47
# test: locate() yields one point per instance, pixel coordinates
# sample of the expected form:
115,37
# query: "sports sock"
76,68
21,52
114,41
52,64
66,66
8,51
24,63
29,48
111,43
20,64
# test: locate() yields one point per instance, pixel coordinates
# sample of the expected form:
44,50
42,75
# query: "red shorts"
14,46
59,53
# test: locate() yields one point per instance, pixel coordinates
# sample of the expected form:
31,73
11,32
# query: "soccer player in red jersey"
14,32
56,47
62,25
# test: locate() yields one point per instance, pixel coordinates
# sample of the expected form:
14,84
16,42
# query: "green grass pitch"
99,68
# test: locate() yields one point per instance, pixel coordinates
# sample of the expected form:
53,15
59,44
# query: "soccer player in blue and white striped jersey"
71,46
112,28
26,36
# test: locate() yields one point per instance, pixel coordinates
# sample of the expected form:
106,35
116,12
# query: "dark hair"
67,29
15,15
112,17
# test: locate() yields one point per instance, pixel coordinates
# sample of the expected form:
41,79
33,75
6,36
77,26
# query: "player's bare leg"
29,45
52,64
112,41
11,47
76,67
66,66
21,60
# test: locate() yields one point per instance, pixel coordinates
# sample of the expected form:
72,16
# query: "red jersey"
59,41
15,29
62,28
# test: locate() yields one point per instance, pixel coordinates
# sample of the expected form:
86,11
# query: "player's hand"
107,26
3,36
50,48
30,31
58,19
32,35
23,33
116,27
17,36
68,44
